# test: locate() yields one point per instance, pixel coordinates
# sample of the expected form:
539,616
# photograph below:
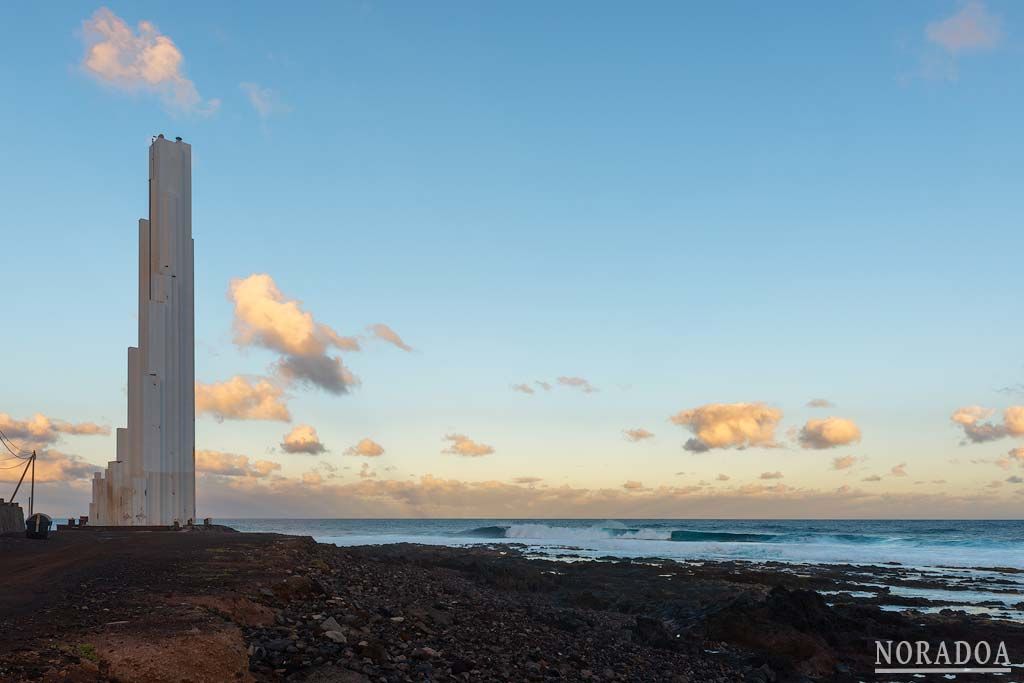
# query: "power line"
19,453
11,467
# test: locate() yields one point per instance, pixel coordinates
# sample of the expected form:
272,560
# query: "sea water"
915,543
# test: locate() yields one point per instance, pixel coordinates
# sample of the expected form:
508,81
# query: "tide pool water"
918,543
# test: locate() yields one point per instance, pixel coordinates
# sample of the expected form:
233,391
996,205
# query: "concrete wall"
12,519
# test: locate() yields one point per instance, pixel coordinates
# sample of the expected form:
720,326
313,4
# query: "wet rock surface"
223,607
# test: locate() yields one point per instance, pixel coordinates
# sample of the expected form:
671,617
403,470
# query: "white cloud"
146,61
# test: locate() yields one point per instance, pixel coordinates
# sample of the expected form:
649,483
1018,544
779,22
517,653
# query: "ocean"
914,543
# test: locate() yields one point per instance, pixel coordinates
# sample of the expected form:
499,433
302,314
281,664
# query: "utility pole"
32,490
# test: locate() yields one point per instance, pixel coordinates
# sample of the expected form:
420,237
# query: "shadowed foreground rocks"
217,606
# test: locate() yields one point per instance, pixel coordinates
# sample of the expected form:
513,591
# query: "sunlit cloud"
771,475
899,470
546,386
302,439
632,485
142,61
460,444
523,389
638,434
265,317
970,419
828,433
40,431
367,448
51,466
385,333
528,480
723,477
242,398
232,465
431,496
873,477
729,425
1013,418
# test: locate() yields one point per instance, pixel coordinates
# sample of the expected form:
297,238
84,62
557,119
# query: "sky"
522,260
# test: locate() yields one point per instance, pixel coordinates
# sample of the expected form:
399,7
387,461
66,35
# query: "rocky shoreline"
215,605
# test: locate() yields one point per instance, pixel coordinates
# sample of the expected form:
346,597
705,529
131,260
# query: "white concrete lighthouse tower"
153,480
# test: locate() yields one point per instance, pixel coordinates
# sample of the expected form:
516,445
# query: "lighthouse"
152,480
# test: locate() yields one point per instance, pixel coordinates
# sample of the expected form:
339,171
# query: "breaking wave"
658,532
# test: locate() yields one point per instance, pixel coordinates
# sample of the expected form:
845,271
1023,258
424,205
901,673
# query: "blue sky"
683,204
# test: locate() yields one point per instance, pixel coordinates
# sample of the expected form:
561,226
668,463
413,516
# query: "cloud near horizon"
844,462
367,448
303,439
828,433
460,444
51,466
41,431
242,398
729,425
232,465
970,419
146,61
